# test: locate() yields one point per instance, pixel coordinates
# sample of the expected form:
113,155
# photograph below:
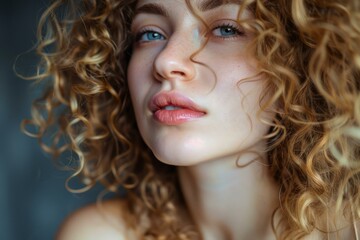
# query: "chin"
179,150
176,159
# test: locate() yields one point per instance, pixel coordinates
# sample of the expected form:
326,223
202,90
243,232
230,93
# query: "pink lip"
187,111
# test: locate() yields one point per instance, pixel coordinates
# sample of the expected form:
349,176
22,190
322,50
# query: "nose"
174,61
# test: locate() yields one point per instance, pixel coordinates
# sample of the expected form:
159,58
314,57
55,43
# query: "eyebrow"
204,6
152,8
211,4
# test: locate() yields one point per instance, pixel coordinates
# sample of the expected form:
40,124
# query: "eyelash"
236,29
144,31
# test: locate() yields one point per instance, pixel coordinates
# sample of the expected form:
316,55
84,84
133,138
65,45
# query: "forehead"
202,5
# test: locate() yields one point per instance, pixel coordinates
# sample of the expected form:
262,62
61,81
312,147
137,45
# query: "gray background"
33,199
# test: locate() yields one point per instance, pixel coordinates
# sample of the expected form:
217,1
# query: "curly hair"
309,53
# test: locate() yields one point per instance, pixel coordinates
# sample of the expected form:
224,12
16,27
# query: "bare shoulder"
96,221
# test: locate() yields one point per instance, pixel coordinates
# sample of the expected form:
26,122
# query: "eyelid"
137,33
155,23
226,23
222,22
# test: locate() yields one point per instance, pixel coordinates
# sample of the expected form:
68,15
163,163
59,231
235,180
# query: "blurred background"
33,198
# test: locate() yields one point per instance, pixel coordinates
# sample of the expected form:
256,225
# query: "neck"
231,202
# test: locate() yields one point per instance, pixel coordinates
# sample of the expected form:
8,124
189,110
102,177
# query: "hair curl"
309,53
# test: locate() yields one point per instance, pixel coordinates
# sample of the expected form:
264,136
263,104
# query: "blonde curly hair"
309,53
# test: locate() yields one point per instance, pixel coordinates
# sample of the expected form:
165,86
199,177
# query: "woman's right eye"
148,36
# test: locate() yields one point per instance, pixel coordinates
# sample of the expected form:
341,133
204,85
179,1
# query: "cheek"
232,68
133,76
237,83
137,77
134,79
241,89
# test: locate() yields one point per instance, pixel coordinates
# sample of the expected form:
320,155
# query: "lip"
186,110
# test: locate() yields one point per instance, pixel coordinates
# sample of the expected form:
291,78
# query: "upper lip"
163,99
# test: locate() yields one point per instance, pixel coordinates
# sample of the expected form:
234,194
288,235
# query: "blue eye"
226,31
148,36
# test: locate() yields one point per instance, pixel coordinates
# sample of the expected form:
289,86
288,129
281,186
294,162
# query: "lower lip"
176,117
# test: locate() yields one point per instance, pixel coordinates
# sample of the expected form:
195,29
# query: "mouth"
174,109
171,108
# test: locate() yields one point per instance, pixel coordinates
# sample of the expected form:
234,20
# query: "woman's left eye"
226,31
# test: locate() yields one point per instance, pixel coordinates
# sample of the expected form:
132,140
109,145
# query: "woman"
221,119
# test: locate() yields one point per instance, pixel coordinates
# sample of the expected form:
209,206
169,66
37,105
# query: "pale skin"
225,201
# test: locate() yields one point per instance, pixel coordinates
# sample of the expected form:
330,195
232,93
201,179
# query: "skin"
225,201
166,67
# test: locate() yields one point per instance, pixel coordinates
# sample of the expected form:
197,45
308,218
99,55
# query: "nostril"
159,76
178,73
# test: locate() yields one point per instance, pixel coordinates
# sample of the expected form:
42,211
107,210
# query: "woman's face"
192,108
